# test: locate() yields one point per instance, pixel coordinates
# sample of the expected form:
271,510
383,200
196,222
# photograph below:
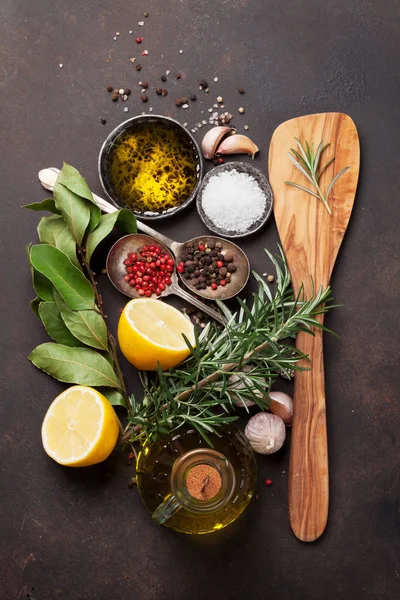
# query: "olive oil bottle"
193,488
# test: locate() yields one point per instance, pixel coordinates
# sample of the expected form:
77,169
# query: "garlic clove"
282,406
238,144
211,140
266,433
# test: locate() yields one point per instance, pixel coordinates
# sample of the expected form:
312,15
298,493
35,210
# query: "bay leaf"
86,325
73,286
73,180
83,366
54,231
113,396
55,327
74,209
35,305
124,219
95,215
42,286
46,204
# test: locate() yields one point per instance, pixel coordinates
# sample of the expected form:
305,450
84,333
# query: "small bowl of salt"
234,200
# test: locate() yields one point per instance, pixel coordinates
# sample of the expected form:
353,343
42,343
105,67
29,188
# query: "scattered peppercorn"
219,99
138,40
103,121
203,84
163,78
110,88
114,97
220,161
164,92
138,67
146,14
178,75
144,98
241,91
178,102
193,97
271,278
268,482
241,110
145,85
127,92
158,91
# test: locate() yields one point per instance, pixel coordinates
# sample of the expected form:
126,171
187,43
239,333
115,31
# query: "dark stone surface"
79,534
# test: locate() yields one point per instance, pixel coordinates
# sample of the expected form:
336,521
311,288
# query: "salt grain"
233,201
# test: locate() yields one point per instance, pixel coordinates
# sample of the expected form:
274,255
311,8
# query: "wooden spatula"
311,238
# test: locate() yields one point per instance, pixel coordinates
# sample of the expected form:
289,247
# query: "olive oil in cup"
151,165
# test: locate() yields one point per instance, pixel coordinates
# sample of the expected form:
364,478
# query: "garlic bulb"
211,140
265,432
239,381
282,406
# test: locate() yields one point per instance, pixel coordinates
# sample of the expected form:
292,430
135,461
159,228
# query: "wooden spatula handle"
308,472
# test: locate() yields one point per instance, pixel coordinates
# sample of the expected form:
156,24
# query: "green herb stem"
307,161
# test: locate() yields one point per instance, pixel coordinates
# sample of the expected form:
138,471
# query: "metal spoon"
116,271
239,279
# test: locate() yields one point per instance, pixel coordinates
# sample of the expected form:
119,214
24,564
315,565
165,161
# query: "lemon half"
80,427
150,331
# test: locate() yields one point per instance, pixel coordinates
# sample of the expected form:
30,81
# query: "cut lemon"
80,427
150,331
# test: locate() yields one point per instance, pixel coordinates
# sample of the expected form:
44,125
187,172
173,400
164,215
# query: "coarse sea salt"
233,201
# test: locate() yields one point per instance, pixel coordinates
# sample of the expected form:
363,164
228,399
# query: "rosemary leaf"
307,162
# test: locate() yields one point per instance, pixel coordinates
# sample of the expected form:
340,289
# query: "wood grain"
311,239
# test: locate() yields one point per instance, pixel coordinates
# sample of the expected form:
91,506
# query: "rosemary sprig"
307,162
197,392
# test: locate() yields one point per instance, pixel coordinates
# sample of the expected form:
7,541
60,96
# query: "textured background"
84,533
